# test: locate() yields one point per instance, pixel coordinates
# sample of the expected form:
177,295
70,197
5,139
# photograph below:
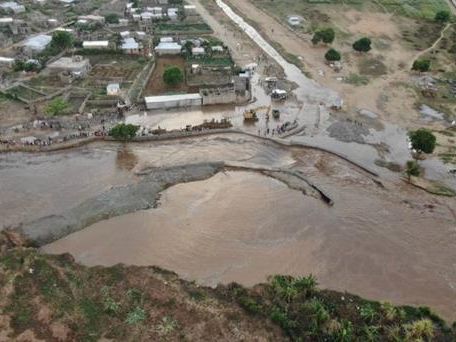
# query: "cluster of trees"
29,66
173,76
328,35
123,131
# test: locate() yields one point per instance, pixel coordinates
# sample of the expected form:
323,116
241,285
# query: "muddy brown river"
394,243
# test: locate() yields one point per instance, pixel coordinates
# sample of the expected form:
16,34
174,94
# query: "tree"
57,106
325,35
173,76
112,18
442,16
412,169
362,45
62,40
423,140
123,131
421,65
332,55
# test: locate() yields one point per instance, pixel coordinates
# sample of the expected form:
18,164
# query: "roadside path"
432,47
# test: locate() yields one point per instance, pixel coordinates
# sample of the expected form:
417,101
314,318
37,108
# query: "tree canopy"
421,65
123,131
57,106
326,36
112,18
423,140
332,55
62,40
173,76
442,16
362,45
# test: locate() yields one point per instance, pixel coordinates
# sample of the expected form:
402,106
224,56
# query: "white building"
95,44
172,48
217,48
92,18
130,46
198,51
6,61
190,10
37,43
13,6
113,89
6,21
172,13
166,40
173,101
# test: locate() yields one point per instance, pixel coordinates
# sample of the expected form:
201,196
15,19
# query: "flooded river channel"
394,243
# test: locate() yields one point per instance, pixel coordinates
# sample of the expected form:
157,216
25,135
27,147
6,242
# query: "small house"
95,44
37,43
6,61
198,51
190,10
172,13
130,46
13,6
173,101
113,89
171,48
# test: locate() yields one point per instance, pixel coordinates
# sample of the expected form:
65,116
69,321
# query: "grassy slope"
52,296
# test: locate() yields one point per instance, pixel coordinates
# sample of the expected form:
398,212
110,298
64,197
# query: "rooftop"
166,98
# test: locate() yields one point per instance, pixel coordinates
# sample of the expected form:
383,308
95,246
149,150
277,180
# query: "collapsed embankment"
144,194
115,202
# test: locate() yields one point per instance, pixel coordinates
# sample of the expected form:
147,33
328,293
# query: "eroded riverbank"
388,243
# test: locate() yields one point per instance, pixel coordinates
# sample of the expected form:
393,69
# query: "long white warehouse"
173,101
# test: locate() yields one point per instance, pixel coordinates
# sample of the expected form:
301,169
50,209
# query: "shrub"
123,131
136,316
332,55
418,330
173,76
325,35
411,169
362,45
421,65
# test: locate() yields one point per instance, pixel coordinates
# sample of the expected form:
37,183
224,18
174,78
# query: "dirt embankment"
115,202
52,298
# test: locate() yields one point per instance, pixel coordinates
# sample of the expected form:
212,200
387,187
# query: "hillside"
52,298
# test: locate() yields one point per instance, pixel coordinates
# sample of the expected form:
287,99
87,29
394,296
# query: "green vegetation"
58,106
173,76
332,55
61,40
421,65
309,314
326,36
362,45
442,16
412,169
123,131
149,304
423,140
357,80
112,18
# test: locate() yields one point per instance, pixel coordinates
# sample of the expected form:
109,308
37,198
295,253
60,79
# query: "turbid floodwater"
394,243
